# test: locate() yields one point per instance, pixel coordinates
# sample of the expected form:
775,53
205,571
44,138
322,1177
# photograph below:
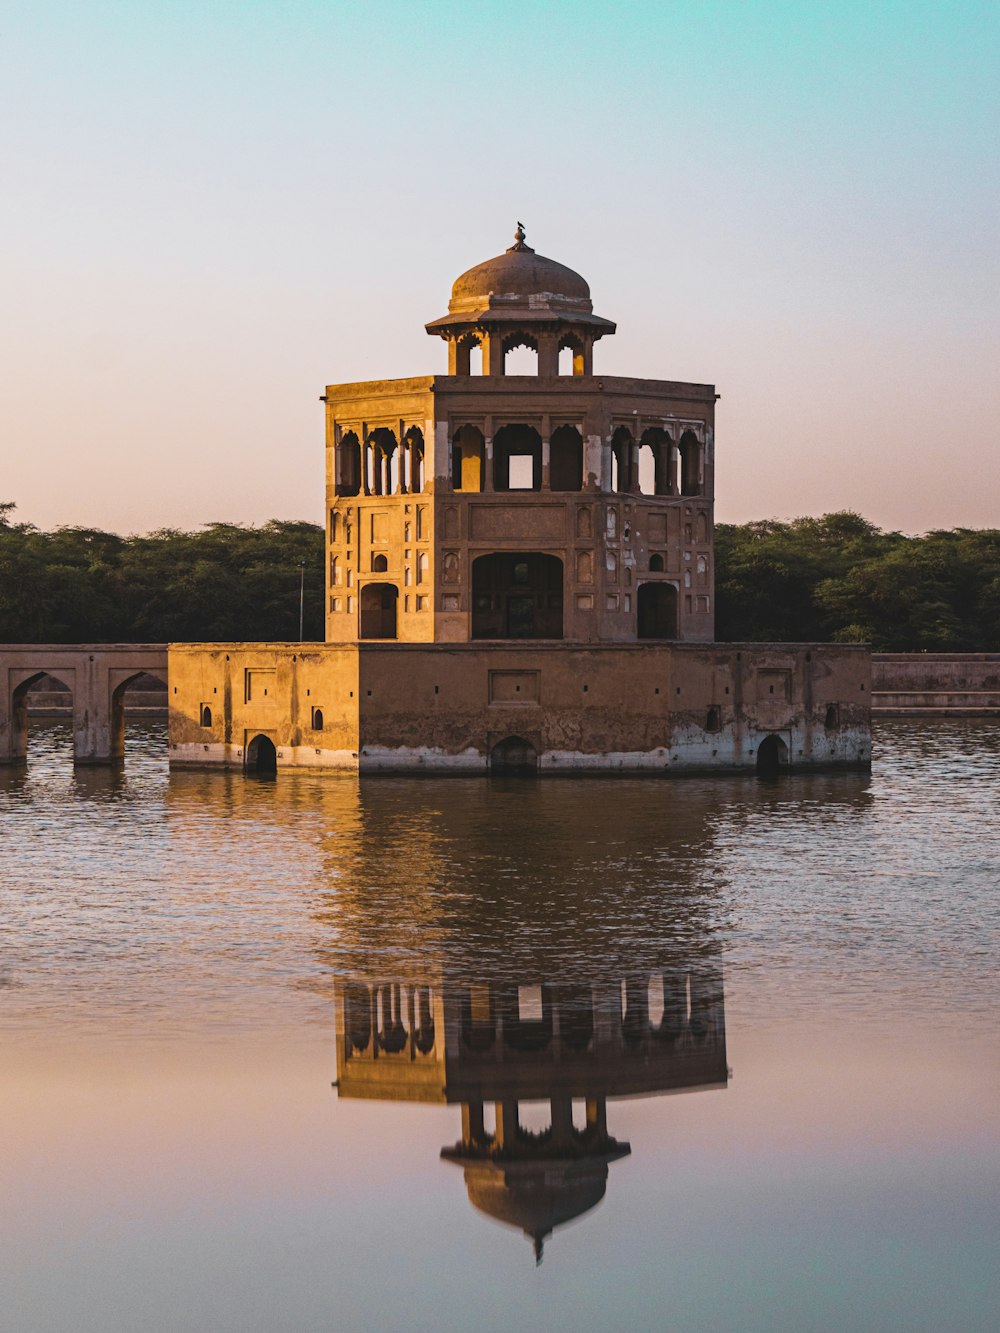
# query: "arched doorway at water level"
261,758
514,755
772,755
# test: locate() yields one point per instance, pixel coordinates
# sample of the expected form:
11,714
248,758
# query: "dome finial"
519,244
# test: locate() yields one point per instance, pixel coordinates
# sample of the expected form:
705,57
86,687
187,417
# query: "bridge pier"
97,675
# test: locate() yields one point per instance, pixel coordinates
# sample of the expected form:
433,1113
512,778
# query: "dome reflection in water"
499,1044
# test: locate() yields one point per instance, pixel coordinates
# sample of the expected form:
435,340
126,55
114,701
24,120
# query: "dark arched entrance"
657,611
772,755
514,755
517,596
378,610
261,758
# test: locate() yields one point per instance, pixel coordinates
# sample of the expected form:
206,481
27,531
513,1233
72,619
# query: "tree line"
834,578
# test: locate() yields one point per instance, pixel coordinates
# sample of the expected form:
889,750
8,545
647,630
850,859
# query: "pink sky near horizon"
215,212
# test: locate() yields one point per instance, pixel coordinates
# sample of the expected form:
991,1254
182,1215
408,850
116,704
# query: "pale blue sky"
211,211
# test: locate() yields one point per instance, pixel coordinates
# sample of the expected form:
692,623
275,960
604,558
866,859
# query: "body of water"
471,1054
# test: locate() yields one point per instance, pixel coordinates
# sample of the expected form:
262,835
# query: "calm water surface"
724,1053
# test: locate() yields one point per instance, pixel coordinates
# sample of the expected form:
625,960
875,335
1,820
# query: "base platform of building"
519,707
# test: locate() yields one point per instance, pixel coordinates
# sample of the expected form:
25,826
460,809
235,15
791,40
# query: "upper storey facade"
496,506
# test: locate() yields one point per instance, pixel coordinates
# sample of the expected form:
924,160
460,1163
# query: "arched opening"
526,1017
378,610
468,355
468,459
572,356
514,755
423,1020
656,563
622,451
261,759
656,468
657,611
772,755
478,1022
566,459
381,463
832,720
347,467
690,456
44,697
317,719
647,469
520,354
206,715
413,481
517,459
517,596
576,1016
380,564
390,1019
358,1015
134,692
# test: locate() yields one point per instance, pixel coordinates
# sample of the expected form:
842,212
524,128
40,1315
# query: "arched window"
317,719
206,715
336,572
656,468
423,567
380,564
348,465
468,355
414,479
517,459
622,451
647,469
690,454
381,472
572,356
656,564
468,459
566,459
520,354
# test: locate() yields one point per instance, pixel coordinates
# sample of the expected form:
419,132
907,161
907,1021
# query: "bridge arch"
97,676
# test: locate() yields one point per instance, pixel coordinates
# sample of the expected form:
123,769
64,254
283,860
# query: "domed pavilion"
520,577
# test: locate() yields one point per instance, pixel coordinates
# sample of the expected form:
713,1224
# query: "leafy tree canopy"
833,578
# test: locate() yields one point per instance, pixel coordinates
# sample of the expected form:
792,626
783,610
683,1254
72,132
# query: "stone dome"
517,274
520,288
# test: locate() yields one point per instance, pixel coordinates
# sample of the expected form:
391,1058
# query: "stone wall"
936,684
392,707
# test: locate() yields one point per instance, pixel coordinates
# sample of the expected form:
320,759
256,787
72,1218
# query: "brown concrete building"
519,574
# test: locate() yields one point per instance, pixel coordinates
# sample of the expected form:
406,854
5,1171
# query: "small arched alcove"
261,759
514,755
772,755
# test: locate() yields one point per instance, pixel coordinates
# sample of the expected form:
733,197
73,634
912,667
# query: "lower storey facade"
513,707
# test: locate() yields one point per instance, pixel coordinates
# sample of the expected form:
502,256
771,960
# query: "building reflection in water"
492,1047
